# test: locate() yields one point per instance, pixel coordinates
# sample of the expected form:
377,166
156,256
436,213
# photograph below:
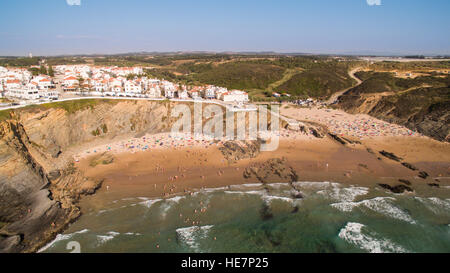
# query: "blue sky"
53,27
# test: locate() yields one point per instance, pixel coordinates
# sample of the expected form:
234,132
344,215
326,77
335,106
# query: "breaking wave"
105,238
382,205
61,237
190,235
359,235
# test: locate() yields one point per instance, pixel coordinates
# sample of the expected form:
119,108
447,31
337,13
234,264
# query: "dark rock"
404,181
364,166
265,212
409,166
434,185
396,189
423,175
53,175
390,156
54,150
338,139
297,195
316,133
351,141
273,170
235,150
9,244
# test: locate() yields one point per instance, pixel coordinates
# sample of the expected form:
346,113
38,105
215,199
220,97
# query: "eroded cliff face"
39,185
425,110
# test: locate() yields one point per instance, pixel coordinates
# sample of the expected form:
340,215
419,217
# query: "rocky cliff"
39,185
421,104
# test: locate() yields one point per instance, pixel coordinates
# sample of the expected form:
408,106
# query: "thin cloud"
73,2
374,2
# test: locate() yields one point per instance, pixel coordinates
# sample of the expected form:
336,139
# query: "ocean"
330,218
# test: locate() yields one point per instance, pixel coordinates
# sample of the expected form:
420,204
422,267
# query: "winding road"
333,99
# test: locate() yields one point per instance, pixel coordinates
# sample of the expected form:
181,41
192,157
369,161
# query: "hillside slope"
421,104
39,185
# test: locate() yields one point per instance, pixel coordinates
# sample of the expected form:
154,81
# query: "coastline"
164,173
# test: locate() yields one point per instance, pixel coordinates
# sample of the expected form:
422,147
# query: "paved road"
217,102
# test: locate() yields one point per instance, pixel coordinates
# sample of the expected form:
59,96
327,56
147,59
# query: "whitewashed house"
183,94
235,96
71,81
131,88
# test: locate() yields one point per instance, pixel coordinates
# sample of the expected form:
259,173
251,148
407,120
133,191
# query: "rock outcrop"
39,185
236,150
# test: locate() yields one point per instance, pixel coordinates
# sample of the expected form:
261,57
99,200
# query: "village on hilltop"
21,86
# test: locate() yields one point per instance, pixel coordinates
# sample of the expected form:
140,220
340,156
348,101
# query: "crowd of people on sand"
338,122
359,125
168,140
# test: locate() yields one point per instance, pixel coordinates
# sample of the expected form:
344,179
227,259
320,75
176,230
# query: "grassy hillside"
319,81
374,82
421,104
300,76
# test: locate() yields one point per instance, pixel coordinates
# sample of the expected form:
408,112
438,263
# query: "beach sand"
165,172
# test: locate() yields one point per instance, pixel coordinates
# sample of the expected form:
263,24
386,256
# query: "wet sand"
167,172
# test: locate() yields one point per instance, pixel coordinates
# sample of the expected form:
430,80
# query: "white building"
13,84
210,92
42,82
183,94
70,81
235,96
29,92
154,92
131,88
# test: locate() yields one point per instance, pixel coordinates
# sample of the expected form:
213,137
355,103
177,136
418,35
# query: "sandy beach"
165,172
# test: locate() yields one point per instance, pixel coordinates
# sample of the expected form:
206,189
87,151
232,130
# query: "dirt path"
336,95
288,74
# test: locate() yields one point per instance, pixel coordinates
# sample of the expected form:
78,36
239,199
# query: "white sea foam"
190,235
270,198
253,185
133,234
436,205
105,238
278,185
261,192
344,194
175,199
359,235
382,205
149,203
315,185
61,237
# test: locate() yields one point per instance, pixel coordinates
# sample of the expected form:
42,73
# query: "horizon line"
362,53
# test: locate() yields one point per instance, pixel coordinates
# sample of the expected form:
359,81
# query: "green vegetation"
241,75
261,75
73,105
421,104
375,82
5,114
96,132
18,62
408,66
104,128
319,81
103,159
406,104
